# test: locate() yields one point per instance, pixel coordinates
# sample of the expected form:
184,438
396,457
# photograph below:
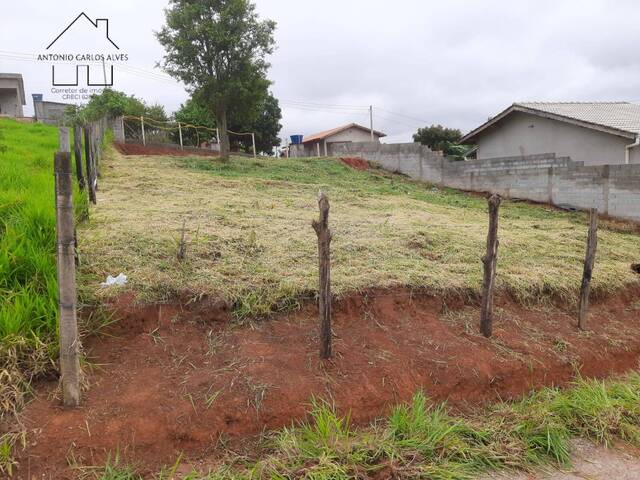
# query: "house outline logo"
94,64
95,24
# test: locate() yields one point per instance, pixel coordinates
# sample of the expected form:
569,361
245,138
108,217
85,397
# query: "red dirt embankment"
355,162
176,379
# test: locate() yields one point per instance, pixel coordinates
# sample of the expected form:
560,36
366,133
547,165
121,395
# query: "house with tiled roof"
596,133
320,144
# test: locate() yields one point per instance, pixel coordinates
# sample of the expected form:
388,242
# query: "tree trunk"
221,118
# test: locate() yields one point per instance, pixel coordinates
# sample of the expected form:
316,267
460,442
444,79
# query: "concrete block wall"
612,189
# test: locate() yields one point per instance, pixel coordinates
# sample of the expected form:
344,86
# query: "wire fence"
149,131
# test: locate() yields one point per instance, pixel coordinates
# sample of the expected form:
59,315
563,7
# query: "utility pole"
371,120
104,72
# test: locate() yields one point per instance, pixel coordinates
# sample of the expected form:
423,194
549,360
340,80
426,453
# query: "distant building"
49,112
320,144
596,133
11,95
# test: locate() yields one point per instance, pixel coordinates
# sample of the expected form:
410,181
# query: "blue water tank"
296,139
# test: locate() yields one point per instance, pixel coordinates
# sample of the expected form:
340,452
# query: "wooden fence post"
321,227
489,261
589,260
69,343
180,134
89,164
77,151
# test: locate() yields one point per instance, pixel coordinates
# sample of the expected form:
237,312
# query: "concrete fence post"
144,140
65,232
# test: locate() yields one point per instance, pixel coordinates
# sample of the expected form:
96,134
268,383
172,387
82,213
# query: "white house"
11,95
320,144
596,133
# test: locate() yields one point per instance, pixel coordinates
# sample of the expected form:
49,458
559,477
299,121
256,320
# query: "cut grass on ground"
250,241
422,441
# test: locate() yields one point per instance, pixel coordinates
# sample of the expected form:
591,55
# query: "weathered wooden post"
321,227
69,342
489,261
89,164
77,151
589,260
180,135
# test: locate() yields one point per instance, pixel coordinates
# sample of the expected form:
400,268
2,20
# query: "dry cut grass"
250,241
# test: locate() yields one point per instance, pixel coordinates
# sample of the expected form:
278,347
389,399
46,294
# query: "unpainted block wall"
612,189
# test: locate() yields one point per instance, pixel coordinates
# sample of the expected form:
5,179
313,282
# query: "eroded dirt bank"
177,379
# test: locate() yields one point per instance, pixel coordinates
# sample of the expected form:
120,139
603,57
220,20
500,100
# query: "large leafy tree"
440,138
218,48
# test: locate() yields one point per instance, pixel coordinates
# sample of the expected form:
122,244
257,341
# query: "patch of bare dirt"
175,379
355,162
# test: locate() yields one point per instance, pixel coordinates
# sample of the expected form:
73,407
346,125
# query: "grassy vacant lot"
250,241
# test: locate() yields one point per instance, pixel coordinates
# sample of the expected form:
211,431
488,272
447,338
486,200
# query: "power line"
403,115
326,105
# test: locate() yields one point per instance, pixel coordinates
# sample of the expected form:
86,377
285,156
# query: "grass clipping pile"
249,240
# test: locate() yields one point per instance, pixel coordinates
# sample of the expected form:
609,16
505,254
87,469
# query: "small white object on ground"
118,281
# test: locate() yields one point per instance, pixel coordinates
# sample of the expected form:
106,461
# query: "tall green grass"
28,284
28,277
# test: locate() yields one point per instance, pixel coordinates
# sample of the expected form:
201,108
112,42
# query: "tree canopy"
218,48
263,120
437,137
113,103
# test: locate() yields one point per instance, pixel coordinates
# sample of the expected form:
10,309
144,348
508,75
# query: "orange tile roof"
333,131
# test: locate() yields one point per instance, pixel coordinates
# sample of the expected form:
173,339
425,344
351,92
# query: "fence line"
149,130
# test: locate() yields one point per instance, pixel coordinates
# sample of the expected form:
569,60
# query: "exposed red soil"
148,397
137,149
355,162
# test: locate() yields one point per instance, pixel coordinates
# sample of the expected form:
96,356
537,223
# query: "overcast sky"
416,61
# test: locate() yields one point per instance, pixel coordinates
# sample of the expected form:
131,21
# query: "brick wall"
613,189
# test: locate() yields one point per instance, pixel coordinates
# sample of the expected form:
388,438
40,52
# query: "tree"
192,113
112,103
267,124
264,121
218,48
439,138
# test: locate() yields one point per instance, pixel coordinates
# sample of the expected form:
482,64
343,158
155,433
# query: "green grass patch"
28,278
